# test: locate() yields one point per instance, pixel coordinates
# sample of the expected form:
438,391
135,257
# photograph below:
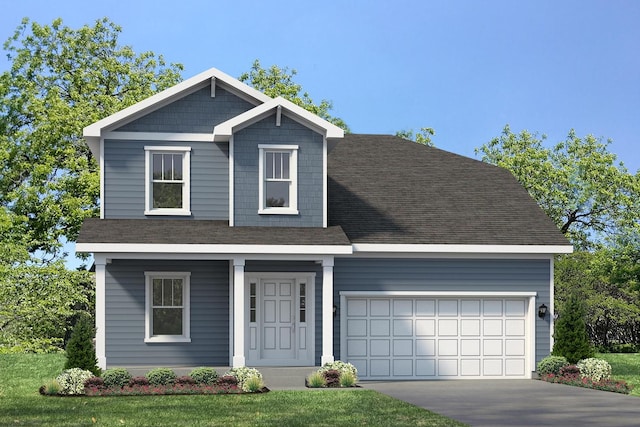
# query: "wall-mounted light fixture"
335,310
542,311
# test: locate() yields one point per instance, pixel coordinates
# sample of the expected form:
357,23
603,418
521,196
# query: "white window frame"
148,307
149,151
292,150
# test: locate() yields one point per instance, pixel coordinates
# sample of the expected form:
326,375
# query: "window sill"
278,211
167,339
166,212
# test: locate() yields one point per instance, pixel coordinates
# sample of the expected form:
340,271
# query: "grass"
625,366
20,404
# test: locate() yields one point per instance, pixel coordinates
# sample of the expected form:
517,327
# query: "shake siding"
124,179
196,113
125,304
246,177
446,275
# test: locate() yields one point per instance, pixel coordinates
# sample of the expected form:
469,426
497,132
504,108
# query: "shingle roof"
205,232
383,189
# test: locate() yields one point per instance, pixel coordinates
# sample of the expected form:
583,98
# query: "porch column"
238,312
327,310
100,265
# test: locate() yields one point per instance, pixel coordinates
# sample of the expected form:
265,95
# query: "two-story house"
237,229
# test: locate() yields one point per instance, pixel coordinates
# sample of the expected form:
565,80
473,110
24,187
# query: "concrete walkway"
511,403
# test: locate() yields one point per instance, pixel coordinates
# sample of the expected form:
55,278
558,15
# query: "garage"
437,336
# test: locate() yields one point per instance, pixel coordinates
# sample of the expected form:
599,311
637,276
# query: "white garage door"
437,338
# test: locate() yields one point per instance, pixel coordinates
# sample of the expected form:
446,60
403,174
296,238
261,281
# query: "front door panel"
278,319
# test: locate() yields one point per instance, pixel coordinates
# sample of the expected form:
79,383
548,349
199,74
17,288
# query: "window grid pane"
167,306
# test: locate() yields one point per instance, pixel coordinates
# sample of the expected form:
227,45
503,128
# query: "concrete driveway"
515,402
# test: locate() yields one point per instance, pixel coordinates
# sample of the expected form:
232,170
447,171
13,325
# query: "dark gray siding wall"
196,113
246,178
297,267
124,178
125,301
486,275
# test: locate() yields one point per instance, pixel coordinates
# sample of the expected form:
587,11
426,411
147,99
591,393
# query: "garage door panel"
407,338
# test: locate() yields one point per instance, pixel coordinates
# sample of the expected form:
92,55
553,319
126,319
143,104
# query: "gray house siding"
484,275
124,179
246,177
195,113
297,267
125,305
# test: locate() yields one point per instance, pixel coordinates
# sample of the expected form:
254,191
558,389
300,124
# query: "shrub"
341,367
95,383
596,369
347,380
161,376
204,375
116,377
551,365
185,380
571,338
138,381
243,373
332,377
72,380
569,371
80,351
227,381
316,380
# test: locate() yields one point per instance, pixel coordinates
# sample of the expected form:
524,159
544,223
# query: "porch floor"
275,378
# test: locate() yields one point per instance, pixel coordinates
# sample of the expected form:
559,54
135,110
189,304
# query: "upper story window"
278,186
167,186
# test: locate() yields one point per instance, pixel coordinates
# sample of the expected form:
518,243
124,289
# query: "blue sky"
464,68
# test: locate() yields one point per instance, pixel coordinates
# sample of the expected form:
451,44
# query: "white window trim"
148,313
292,209
186,174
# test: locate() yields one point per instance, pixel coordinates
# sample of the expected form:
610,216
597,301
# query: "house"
237,229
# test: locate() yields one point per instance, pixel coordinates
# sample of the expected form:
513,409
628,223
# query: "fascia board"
213,248
168,95
463,249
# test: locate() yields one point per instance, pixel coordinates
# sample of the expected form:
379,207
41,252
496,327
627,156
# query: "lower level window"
167,307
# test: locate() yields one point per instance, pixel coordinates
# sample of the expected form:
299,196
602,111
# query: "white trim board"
212,249
494,249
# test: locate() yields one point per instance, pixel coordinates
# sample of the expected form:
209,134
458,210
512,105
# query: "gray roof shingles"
381,190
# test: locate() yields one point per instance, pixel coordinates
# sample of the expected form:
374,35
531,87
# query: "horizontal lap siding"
446,275
125,293
124,194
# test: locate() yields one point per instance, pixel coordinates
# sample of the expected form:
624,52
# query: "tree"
276,81
59,81
577,182
80,350
423,137
570,338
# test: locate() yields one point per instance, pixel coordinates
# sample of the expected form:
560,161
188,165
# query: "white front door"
280,319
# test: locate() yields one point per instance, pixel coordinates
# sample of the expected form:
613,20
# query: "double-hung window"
167,307
278,186
167,185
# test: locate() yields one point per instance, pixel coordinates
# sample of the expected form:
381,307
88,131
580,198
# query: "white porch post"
238,312
100,263
327,311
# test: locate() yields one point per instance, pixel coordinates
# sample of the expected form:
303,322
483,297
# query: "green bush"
316,380
243,374
204,375
341,367
596,369
252,384
571,338
551,365
116,377
80,351
72,380
347,379
161,376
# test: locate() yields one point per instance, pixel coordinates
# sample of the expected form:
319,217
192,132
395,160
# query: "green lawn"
625,367
20,404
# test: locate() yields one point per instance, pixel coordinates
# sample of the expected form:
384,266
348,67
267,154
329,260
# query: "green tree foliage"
422,137
59,80
276,81
577,182
80,351
570,338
